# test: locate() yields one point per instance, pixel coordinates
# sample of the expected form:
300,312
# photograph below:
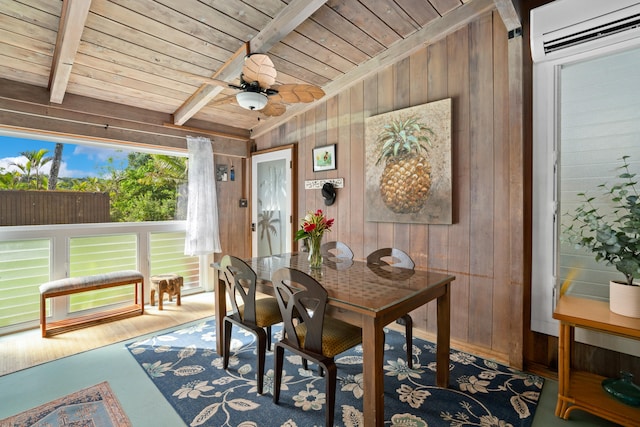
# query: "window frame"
545,197
59,235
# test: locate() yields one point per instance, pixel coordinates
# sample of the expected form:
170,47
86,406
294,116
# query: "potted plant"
612,234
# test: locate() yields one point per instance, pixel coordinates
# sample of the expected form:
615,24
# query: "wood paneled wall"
471,66
233,221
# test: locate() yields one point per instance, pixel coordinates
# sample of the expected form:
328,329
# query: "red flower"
313,225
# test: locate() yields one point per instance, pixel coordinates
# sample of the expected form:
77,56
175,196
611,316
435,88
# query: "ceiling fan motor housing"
251,100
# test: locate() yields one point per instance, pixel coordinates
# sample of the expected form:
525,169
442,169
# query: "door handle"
253,226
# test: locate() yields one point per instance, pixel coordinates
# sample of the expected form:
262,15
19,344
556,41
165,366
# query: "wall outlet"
243,203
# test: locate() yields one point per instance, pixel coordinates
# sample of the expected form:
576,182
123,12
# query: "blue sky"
78,161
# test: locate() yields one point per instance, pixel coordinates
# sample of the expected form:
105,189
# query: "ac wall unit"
567,27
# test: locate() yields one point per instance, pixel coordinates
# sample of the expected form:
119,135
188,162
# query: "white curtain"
203,236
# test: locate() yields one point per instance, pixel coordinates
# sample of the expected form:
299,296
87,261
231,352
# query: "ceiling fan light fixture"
251,100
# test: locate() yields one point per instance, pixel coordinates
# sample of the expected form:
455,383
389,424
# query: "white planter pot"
624,299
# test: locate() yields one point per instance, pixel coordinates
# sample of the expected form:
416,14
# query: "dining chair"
336,249
308,332
336,255
397,258
248,312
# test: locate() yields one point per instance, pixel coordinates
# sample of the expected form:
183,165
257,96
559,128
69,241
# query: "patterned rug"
184,366
92,406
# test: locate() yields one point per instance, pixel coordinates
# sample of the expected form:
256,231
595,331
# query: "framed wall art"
408,165
324,158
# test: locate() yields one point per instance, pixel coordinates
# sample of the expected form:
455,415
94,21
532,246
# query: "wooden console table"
581,390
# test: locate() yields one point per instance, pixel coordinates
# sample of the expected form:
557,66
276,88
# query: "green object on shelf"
623,389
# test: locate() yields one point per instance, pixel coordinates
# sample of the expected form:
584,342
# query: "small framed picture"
324,158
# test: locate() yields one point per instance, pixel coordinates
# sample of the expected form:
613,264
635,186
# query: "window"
599,123
143,225
110,183
586,117
24,265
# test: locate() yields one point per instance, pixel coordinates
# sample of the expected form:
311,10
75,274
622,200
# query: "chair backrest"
302,298
240,285
335,249
391,256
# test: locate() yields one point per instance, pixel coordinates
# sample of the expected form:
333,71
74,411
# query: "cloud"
99,154
7,163
65,172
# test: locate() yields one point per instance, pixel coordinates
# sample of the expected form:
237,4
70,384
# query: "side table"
169,283
582,390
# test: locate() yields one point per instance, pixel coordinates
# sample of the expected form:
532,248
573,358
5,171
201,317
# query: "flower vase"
315,256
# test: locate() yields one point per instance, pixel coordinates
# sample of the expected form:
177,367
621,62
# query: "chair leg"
277,371
262,342
227,343
269,338
407,321
331,379
409,333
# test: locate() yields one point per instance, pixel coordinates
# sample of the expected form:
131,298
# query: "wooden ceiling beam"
509,14
207,92
72,20
25,108
284,23
432,32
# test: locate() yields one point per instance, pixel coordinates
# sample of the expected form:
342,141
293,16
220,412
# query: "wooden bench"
74,285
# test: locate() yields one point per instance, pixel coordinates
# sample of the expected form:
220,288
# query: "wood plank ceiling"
174,56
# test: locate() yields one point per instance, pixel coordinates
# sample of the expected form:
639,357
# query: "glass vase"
315,256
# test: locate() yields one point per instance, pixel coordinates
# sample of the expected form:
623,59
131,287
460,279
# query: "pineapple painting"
405,180
408,165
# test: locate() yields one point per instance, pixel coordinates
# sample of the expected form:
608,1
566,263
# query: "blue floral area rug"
184,366
92,406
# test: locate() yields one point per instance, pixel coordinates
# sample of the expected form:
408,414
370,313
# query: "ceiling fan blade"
258,67
294,93
273,109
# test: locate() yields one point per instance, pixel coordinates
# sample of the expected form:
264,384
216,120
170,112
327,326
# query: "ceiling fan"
259,92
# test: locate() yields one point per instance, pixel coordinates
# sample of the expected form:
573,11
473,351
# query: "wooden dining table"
370,297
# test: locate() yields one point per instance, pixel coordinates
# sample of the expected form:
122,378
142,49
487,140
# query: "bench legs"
43,316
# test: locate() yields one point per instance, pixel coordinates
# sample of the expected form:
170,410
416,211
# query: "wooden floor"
25,349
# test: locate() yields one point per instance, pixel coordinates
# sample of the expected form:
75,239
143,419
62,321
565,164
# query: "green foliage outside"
150,187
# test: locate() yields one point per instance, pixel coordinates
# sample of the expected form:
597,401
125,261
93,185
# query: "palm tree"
167,168
35,161
173,171
55,166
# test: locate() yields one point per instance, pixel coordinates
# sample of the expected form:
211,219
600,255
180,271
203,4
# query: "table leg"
220,309
444,332
373,372
564,360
